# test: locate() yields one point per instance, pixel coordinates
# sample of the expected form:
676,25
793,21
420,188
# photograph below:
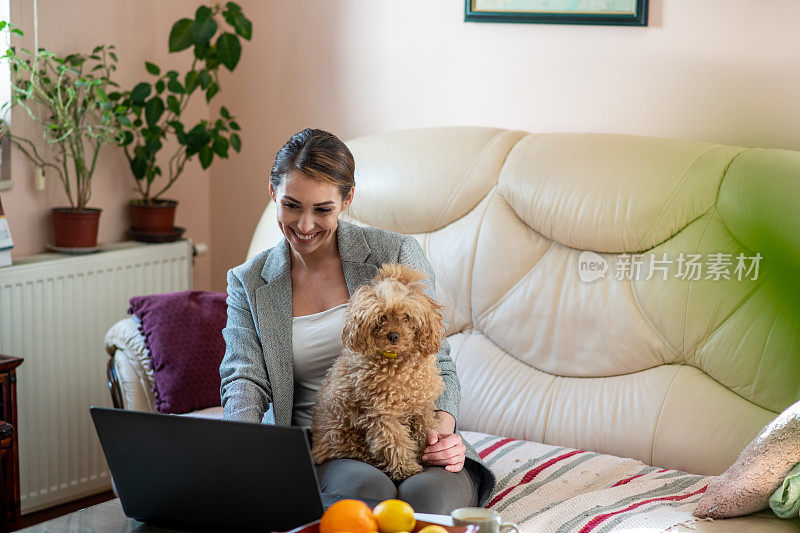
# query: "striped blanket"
551,489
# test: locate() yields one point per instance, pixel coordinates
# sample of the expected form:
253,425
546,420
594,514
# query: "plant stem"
178,169
38,160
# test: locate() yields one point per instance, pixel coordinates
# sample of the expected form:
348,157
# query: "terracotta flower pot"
75,228
158,217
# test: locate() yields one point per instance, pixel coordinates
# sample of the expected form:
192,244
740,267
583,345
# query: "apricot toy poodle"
376,403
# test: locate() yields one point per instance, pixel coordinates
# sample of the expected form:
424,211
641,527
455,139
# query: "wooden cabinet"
9,448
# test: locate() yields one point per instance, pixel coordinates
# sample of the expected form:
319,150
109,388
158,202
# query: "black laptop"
206,474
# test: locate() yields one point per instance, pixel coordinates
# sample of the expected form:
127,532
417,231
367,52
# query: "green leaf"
240,23
212,61
75,59
152,68
196,139
153,110
101,94
201,51
234,125
127,138
229,50
203,29
172,74
203,12
152,146
206,156
140,92
191,81
160,86
212,90
138,167
220,146
180,37
236,142
173,104
233,6
243,26
205,79
175,86
224,112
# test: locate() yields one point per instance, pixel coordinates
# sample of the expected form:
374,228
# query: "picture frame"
593,12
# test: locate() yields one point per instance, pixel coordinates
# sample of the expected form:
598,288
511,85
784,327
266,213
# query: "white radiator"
54,312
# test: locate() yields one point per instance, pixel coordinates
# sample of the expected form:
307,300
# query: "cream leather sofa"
677,373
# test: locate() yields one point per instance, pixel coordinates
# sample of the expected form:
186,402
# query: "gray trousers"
434,490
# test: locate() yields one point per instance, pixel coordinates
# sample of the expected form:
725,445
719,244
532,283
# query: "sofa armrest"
114,386
130,376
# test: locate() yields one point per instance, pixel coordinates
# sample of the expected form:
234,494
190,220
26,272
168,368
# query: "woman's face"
308,211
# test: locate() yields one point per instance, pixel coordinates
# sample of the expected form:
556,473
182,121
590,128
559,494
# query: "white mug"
487,520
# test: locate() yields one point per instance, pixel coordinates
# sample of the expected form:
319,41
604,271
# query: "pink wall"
715,70
139,30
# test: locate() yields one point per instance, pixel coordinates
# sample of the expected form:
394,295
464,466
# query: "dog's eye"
406,317
384,318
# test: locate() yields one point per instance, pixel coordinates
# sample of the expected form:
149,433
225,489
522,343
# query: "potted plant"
68,97
155,112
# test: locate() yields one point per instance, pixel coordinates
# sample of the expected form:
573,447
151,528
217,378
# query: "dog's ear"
357,330
431,331
400,272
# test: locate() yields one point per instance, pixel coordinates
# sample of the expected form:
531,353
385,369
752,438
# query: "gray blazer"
257,369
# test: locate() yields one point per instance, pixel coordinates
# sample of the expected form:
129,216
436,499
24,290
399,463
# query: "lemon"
433,529
394,516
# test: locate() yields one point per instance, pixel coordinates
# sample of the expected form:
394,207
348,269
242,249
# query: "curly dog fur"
375,408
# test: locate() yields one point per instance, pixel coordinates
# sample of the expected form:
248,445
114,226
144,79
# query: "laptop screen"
209,474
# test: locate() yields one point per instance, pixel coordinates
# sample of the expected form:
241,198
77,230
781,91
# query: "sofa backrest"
645,361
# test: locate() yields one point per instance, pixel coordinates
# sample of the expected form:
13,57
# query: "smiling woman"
286,317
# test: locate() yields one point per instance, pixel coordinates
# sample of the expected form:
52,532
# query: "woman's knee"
435,490
348,477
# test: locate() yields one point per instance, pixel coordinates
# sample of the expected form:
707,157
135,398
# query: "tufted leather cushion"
183,333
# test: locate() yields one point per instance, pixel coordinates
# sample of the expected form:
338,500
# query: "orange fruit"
353,516
394,516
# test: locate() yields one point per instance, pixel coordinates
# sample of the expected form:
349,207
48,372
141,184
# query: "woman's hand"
445,447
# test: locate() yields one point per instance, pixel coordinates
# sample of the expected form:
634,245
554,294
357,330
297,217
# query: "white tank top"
316,343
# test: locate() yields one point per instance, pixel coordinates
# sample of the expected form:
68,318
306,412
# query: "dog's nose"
393,337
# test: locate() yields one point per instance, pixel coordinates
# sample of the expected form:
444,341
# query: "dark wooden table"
9,444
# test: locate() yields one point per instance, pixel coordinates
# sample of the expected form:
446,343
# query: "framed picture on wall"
603,12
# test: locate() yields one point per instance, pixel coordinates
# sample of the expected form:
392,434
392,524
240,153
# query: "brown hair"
318,154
